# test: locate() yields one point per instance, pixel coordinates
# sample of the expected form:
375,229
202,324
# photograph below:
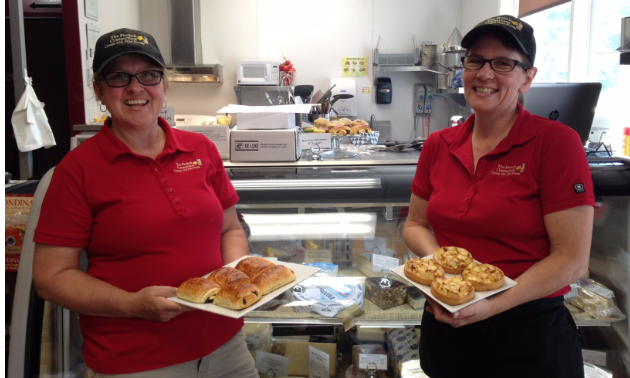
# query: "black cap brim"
472,36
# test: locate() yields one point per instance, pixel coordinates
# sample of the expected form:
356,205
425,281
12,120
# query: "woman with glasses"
515,190
152,207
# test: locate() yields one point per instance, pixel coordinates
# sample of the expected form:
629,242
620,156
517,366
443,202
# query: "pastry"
321,122
452,259
345,121
340,130
359,122
483,277
198,290
453,291
360,129
238,297
309,129
226,276
253,266
273,278
423,271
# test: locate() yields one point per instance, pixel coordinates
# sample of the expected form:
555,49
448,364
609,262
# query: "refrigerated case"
354,211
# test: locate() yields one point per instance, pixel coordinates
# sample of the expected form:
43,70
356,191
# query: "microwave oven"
257,72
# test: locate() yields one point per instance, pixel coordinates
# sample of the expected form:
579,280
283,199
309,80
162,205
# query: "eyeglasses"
498,64
122,79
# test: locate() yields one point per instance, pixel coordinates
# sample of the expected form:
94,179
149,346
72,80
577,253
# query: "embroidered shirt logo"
508,170
578,188
187,166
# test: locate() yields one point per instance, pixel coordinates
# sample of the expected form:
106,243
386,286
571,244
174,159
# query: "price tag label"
266,362
373,361
318,363
317,255
379,262
412,369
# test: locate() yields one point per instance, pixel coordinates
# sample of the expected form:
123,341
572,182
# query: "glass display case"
348,219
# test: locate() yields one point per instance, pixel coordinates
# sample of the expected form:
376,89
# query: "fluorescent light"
311,226
307,184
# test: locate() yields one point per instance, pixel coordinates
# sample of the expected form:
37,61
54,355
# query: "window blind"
528,7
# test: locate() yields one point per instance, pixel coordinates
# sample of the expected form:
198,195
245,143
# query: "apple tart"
453,290
423,271
452,259
483,277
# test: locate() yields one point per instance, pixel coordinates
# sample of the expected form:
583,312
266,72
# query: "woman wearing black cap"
152,207
515,190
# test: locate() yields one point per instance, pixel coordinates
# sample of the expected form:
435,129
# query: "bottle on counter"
625,143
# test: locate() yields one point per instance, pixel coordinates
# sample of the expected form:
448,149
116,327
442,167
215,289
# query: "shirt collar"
111,146
520,133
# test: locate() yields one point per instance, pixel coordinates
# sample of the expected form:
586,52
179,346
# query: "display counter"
345,213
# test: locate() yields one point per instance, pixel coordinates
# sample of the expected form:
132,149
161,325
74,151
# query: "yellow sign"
354,65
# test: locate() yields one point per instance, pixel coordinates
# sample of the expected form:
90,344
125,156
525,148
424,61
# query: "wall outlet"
366,90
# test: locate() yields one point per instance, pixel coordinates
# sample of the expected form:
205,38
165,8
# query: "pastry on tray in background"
453,291
198,290
360,129
484,277
238,297
253,266
452,259
273,278
423,271
227,276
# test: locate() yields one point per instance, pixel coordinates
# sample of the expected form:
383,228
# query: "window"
586,52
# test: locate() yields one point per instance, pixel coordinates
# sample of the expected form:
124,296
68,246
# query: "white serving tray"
302,272
479,295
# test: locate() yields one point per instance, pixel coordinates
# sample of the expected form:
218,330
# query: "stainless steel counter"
405,157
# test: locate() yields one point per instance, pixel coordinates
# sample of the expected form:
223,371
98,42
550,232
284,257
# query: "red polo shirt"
497,212
143,222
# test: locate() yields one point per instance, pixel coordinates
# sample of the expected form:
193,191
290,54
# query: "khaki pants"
232,359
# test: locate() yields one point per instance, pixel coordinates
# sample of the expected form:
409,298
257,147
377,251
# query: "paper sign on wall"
318,363
268,362
354,66
168,114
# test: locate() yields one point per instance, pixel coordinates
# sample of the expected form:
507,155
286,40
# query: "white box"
265,117
265,121
218,134
264,145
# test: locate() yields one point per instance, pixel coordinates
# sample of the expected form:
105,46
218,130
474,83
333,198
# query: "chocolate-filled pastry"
253,266
273,278
197,290
227,276
238,297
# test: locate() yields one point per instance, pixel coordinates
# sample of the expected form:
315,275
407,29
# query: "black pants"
536,339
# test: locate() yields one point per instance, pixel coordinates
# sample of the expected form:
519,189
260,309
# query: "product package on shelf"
403,345
327,296
17,208
595,299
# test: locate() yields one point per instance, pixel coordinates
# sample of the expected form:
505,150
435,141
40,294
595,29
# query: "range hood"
185,43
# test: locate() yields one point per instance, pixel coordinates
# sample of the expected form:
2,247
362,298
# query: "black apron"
537,339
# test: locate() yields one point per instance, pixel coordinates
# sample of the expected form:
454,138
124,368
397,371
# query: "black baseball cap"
122,42
519,30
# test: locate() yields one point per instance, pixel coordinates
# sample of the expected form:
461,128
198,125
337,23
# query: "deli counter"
349,219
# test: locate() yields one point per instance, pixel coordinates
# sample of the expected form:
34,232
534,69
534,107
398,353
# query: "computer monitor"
570,103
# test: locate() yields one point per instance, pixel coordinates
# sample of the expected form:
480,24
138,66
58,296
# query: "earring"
164,107
101,107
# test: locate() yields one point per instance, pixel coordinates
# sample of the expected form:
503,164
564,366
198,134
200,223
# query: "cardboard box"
264,145
265,121
297,352
218,134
